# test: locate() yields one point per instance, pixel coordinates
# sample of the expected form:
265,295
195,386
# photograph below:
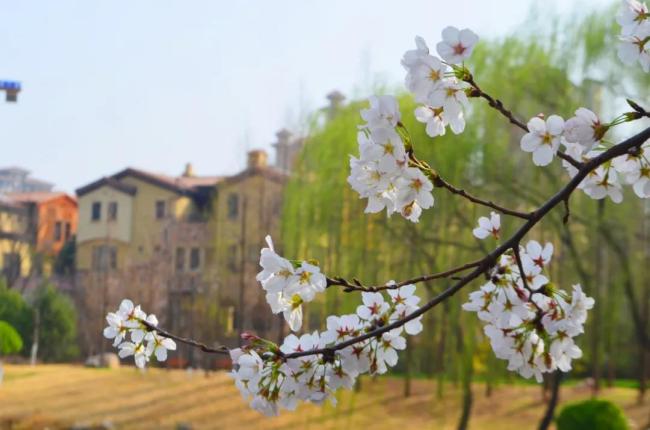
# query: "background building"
15,254
52,218
247,208
17,180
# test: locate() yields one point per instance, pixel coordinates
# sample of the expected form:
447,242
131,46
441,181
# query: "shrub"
592,415
10,341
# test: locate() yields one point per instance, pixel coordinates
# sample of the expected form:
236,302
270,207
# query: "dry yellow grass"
58,396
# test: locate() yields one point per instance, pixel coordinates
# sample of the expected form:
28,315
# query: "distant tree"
16,312
10,340
57,325
10,343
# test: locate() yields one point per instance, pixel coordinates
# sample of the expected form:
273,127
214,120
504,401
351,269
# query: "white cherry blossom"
543,138
382,113
635,48
456,45
488,226
584,128
631,15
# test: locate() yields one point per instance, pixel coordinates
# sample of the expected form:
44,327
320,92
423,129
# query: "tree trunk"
34,350
467,363
555,395
596,327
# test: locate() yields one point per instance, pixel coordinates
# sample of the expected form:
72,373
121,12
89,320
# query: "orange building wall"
61,209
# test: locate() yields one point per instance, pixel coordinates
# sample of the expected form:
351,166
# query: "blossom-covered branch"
530,321
221,349
498,105
490,260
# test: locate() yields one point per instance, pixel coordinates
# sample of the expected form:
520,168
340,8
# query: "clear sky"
157,83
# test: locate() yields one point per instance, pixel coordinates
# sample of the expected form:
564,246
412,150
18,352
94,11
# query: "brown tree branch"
355,285
498,105
221,349
480,266
488,261
441,183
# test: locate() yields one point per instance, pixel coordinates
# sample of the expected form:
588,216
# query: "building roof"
8,205
107,182
180,184
185,185
267,172
37,196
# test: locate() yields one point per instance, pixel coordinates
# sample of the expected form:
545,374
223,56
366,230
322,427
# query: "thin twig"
498,105
522,274
439,182
567,211
355,285
520,265
203,347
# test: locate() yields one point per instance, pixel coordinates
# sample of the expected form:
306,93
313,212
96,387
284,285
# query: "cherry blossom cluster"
433,83
634,45
289,284
530,322
382,173
583,138
128,322
270,381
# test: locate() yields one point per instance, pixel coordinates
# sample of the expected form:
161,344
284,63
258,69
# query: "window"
104,257
57,231
233,206
180,259
195,258
112,211
160,209
68,231
96,214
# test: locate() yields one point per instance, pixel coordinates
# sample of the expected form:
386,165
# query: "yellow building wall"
119,229
18,224
147,230
84,253
258,217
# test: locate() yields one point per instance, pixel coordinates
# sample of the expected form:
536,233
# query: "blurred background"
147,148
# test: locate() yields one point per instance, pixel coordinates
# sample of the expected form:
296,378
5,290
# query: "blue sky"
157,83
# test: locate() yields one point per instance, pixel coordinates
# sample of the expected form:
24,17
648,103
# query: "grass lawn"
59,396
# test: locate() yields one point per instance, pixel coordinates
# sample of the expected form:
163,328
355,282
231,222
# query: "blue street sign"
10,85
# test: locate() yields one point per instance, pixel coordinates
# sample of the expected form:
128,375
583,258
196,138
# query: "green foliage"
17,313
323,218
57,321
10,341
592,415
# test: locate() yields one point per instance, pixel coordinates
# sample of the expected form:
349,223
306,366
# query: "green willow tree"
575,66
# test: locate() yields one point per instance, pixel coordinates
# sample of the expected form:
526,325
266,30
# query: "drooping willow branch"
489,260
